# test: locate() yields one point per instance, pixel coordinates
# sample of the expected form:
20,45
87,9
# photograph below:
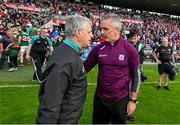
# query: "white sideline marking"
145,82
30,86
17,86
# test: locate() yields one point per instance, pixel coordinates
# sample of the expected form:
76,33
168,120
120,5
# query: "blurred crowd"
16,15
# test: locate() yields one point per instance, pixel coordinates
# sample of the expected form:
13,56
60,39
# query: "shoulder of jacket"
36,37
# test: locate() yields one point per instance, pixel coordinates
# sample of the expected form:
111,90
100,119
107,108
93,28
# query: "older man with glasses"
37,49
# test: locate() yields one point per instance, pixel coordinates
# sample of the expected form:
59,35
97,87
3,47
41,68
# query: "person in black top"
133,38
165,59
1,51
63,89
39,47
4,42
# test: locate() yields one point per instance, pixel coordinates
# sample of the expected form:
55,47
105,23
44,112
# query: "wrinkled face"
134,39
108,32
44,32
85,36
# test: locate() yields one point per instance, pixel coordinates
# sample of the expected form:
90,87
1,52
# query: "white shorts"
23,49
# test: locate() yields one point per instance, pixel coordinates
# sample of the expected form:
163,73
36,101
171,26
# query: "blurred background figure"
165,58
23,40
37,49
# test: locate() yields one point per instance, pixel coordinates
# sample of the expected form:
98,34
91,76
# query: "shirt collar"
72,44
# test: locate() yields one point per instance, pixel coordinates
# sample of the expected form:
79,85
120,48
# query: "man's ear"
78,33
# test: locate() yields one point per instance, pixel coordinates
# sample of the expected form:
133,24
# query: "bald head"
164,41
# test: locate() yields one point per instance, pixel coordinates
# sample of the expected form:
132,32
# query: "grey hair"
75,22
115,20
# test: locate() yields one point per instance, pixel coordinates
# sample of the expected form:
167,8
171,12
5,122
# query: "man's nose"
91,35
101,31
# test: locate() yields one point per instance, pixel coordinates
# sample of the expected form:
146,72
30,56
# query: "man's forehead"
104,26
44,30
164,40
106,21
134,36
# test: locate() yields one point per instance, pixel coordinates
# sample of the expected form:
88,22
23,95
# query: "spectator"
134,40
4,42
12,51
1,50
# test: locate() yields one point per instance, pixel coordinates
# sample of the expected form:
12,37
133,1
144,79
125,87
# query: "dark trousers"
106,112
38,61
12,61
2,60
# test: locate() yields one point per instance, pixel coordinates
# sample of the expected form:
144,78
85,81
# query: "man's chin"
87,46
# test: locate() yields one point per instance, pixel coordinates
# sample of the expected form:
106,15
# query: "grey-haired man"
63,90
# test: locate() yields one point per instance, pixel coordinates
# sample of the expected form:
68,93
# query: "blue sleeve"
34,38
92,59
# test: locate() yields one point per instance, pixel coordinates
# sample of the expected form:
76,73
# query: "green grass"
19,105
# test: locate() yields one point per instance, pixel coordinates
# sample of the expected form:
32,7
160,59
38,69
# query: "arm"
30,46
51,50
1,49
157,60
173,58
28,51
92,60
19,39
8,47
135,75
155,52
52,93
50,44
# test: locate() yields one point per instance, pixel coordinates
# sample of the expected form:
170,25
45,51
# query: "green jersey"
25,38
28,31
13,49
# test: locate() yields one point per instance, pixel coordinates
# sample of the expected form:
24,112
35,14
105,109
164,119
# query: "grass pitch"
18,103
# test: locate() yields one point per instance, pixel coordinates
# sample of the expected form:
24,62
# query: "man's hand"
174,64
131,107
159,62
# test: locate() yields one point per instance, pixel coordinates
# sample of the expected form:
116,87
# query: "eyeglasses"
45,31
